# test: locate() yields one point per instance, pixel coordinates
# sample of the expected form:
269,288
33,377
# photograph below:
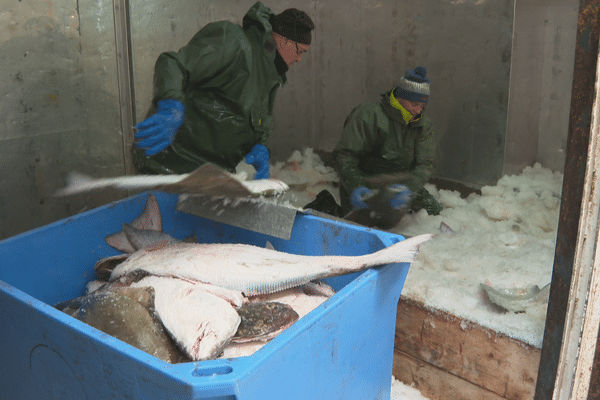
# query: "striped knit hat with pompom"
414,86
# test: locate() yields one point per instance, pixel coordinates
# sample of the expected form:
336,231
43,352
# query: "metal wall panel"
560,29
57,110
540,84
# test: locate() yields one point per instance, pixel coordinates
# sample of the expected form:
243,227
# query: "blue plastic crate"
341,350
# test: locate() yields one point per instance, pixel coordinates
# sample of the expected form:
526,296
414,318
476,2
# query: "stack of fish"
213,299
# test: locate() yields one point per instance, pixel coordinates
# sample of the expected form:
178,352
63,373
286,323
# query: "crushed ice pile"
505,238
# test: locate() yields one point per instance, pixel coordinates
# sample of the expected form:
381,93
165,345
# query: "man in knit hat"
214,98
386,155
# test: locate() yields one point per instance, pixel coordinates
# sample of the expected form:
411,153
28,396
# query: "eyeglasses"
299,50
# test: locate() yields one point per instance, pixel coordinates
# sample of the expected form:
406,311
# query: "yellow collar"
405,114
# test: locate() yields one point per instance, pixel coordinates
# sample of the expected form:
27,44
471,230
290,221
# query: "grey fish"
144,231
140,239
517,299
126,314
254,270
149,220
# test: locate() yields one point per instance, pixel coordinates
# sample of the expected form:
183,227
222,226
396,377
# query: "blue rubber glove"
358,196
259,159
402,196
158,130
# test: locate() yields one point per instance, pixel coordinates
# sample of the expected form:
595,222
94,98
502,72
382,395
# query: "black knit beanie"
294,25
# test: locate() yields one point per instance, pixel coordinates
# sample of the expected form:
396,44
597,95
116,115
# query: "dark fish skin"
261,321
126,314
379,213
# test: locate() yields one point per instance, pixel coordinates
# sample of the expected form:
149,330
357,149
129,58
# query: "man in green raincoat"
214,98
386,154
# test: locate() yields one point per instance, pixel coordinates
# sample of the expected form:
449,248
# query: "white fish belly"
201,323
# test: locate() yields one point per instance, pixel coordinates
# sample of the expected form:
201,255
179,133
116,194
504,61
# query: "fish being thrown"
207,179
254,270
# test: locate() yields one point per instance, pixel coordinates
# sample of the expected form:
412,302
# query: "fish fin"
404,251
119,242
150,218
131,234
444,228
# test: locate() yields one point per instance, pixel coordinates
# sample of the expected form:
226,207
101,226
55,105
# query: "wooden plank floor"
446,357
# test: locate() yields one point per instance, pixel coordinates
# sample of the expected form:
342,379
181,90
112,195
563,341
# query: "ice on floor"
400,391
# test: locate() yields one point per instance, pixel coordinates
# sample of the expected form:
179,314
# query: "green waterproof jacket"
377,142
227,80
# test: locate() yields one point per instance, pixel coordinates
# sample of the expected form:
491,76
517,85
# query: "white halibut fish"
254,270
201,322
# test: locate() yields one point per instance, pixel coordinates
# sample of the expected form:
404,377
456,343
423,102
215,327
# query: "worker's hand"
259,159
358,197
401,196
158,130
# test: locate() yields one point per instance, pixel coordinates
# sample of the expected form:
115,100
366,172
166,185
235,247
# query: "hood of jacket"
395,113
258,16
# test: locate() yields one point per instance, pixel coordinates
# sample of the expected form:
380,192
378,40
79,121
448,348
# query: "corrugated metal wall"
60,107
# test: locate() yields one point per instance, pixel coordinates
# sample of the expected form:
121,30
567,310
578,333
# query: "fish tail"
76,183
404,251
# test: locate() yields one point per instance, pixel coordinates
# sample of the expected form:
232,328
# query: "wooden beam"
435,383
488,359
